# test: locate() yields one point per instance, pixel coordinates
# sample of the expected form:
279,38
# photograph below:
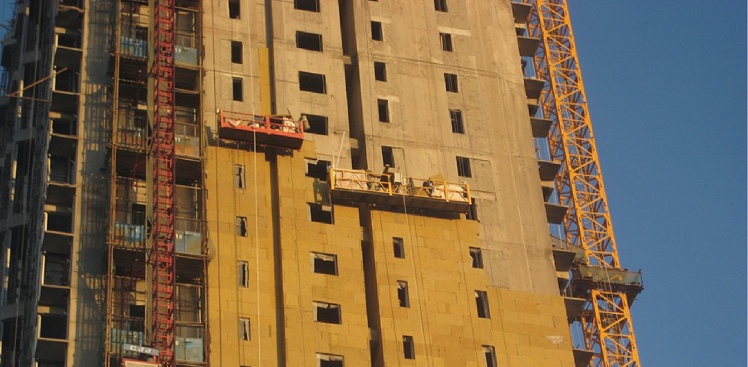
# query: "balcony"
393,189
279,131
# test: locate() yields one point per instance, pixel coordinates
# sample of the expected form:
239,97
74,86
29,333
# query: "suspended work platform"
280,131
393,189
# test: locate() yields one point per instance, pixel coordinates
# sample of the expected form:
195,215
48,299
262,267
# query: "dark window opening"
376,31
310,82
380,71
388,157
244,329
481,301
402,293
440,5
472,213
450,80
241,227
243,274
324,263
309,41
476,257
308,5
316,124
317,169
234,9
53,327
490,353
320,213
384,110
327,312
446,40
137,311
239,182
463,167
63,127
329,360
60,222
409,351
456,117
237,89
399,247
236,52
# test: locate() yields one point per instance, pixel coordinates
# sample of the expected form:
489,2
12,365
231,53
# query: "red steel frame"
162,154
606,324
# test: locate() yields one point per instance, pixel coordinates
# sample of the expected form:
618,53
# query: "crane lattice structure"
606,323
162,155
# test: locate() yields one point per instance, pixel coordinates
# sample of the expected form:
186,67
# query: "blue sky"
666,86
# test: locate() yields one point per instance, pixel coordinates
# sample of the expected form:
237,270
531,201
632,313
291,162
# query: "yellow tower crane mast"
606,322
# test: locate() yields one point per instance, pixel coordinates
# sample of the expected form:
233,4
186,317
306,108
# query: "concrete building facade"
280,261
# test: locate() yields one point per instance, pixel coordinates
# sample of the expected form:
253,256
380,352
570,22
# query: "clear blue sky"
666,86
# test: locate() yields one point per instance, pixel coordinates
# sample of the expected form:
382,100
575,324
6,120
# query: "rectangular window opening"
384,110
239,182
380,71
241,227
308,5
409,350
320,213
376,31
310,82
234,9
399,247
402,293
324,263
315,124
481,300
317,168
244,328
490,353
243,274
476,257
463,167
309,41
440,5
472,213
446,40
329,360
236,52
237,89
327,312
388,157
456,117
450,80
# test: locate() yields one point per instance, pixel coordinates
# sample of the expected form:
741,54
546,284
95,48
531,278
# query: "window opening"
476,256
239,182
241,226
327,312
384,110
450,80
463,167
310,82
456,117
380,71
308,5
317,169
376,31
440,5
472,213
481,300
446,40
244,328
309,41
388,158
236,52
234,9
399,247
324,263
320,213
402,293
243,274
490,353
237,89
409,351
317,124
329,360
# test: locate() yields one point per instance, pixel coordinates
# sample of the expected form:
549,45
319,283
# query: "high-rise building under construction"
319,183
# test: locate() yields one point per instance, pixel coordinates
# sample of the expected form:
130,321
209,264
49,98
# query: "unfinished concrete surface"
425,91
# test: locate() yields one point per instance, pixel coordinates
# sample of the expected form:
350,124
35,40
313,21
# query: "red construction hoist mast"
162,155
606,322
